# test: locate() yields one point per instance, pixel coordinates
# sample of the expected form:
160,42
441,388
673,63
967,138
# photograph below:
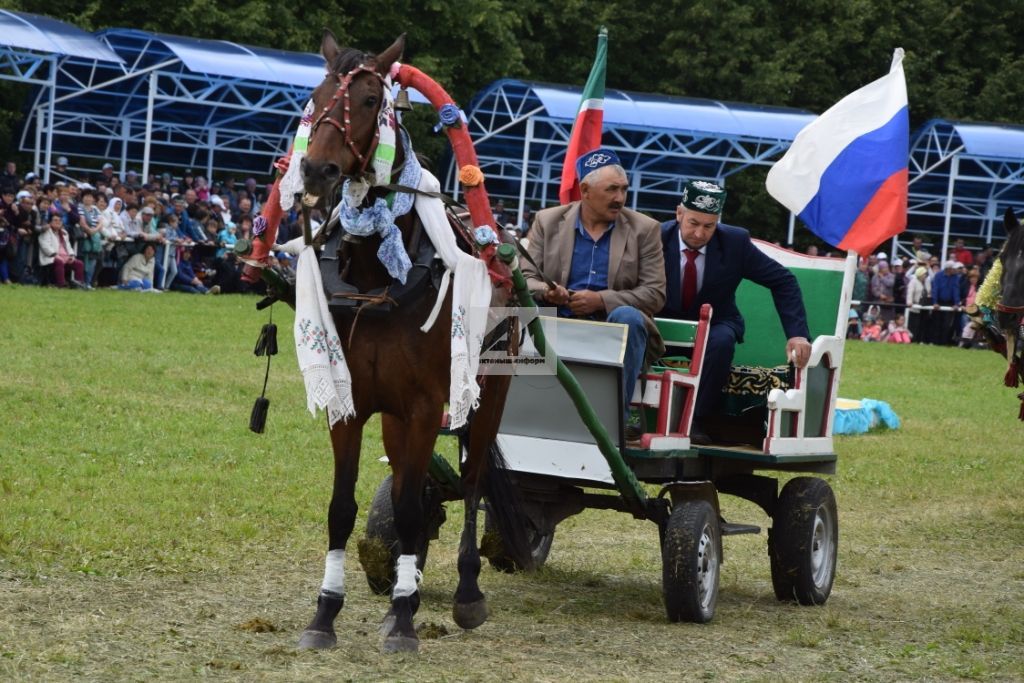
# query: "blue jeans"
190,289
136,284
636,348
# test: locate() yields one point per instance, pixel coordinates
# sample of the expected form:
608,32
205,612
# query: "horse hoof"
388,625
393,644
317,640
470,614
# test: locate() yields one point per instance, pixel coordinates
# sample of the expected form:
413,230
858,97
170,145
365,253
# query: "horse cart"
564,443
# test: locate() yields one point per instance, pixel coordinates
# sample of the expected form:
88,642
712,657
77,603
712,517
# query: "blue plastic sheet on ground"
859,417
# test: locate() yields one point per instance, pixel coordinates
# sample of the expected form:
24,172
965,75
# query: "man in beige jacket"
604,260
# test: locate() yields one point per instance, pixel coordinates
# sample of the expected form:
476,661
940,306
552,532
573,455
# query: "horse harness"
345,126
425,274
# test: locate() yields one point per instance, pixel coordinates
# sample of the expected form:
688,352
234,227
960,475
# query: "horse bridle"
345,125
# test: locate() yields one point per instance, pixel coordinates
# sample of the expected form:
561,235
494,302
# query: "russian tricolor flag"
845,174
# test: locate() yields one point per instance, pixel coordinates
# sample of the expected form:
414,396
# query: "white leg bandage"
407,576
334,572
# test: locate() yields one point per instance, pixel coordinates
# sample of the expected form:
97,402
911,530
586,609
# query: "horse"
1010,309
396,370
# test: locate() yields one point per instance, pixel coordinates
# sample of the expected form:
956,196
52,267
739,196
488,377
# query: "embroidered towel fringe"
317,346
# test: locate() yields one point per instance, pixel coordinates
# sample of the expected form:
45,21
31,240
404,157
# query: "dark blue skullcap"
598,158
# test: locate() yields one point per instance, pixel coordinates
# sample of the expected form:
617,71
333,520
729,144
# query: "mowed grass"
146,534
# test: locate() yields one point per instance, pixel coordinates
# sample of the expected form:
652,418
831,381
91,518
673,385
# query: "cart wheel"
691,561
379,550
803,541
493,547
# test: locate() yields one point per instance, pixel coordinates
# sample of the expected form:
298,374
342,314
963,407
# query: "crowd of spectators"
88,231
165,233
918,299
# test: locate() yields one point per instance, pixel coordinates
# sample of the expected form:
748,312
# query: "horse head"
345,107
1012,257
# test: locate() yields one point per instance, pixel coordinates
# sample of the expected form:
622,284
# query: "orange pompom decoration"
471,176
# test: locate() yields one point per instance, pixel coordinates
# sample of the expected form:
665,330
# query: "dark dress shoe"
698,437
633,434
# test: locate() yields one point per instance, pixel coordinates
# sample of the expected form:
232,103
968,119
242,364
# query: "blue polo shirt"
590,260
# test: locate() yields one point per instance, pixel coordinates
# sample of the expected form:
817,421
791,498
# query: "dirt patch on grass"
591,614
257,625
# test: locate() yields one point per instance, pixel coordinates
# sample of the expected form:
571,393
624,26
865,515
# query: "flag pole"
589,123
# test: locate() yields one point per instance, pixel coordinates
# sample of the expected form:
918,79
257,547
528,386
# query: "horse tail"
504,504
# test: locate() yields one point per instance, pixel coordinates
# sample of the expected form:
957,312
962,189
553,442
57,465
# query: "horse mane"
349,58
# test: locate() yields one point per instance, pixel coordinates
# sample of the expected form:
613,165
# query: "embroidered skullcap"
598,158
62,161
703,196
882,256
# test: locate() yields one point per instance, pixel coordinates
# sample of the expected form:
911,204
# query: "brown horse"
1010,309
396,370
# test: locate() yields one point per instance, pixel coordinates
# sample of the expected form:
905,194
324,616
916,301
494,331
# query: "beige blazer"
636,267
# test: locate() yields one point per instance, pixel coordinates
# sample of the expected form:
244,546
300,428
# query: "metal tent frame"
521,130
34,50
963,176
176,102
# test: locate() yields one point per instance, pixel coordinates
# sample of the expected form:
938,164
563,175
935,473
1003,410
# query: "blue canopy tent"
521,131
178,102
33,50
963,176
210,105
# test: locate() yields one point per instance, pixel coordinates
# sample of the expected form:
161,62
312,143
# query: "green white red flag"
586,130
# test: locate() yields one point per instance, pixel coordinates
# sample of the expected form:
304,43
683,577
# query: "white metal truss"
152,111
521,150
959,194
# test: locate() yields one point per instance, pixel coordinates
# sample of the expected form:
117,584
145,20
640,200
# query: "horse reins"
345,125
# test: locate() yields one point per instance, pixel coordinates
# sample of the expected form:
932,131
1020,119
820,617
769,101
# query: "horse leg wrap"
407,576
1012,378
334,572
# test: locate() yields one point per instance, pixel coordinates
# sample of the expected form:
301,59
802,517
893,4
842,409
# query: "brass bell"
402,102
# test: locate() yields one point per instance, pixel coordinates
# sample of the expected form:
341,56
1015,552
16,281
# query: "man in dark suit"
705,261
604,260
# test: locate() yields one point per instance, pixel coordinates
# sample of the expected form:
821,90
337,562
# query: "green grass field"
145,533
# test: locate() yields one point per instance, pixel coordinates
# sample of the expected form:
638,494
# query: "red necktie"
690,278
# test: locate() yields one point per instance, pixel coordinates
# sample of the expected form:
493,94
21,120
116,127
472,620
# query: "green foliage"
963,60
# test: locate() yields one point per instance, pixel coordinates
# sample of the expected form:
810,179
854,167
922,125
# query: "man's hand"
559,296
798,350
585,302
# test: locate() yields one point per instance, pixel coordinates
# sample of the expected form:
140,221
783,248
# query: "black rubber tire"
380,524
494,548
691,562
782,584
803,542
